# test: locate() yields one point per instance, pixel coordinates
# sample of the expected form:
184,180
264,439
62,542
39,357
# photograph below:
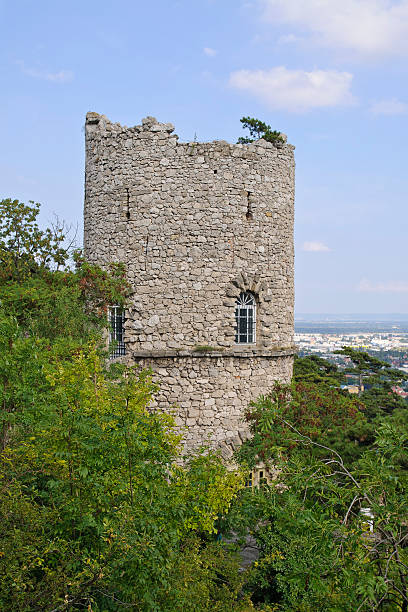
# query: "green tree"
320,411
258,129
114,505
336,475
22,360
97,508
24,247
312,525
316,370
48,298
371,369
44,311
376,379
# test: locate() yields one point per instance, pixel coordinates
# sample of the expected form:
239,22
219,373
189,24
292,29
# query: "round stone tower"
206,233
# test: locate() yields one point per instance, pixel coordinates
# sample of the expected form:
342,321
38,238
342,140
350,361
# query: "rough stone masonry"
197,224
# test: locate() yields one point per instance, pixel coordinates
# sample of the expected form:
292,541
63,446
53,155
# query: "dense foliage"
25,249
331,526
324,413
100,511
376,379
313,530
97,511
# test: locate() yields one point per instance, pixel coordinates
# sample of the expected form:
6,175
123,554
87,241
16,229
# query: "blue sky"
331,74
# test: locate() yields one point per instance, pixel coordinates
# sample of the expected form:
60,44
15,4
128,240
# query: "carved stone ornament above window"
246,282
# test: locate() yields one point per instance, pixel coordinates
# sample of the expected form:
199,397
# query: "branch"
356,497
339,461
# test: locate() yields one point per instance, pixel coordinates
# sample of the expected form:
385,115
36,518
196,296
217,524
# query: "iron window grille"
245,318
116,317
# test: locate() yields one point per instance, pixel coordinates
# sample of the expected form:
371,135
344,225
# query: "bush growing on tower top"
258,129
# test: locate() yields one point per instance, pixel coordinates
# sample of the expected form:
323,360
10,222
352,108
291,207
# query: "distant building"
399,391
353,388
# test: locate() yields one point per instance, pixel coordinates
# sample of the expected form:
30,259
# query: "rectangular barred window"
116,317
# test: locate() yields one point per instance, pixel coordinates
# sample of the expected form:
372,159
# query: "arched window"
245,317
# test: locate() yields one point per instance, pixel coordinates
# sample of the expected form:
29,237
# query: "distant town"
383,336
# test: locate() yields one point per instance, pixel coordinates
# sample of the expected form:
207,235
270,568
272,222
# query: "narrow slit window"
116,331
245,318
127,204
250,213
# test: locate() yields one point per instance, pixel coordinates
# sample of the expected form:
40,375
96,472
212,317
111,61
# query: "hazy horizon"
367,316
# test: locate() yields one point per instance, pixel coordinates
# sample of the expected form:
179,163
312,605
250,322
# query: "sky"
331,74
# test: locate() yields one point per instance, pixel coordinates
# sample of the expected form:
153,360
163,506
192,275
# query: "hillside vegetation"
99,510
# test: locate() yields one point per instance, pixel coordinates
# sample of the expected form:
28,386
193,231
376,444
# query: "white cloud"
295,90
389,107
210,52
62,76
315,247
288,39
364,26
367,286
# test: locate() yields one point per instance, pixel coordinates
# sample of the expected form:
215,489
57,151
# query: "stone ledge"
240,353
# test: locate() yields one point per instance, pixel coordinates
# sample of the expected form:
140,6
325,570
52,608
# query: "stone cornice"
234,352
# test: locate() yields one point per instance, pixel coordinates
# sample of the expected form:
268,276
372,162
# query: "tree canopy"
258,129
25,248
331,525
98,509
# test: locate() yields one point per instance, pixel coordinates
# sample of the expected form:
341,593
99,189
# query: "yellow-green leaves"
115,501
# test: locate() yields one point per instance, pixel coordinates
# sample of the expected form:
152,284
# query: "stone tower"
206,233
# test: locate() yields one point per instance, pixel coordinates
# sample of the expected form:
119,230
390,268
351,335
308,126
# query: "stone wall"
210,392
196,224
